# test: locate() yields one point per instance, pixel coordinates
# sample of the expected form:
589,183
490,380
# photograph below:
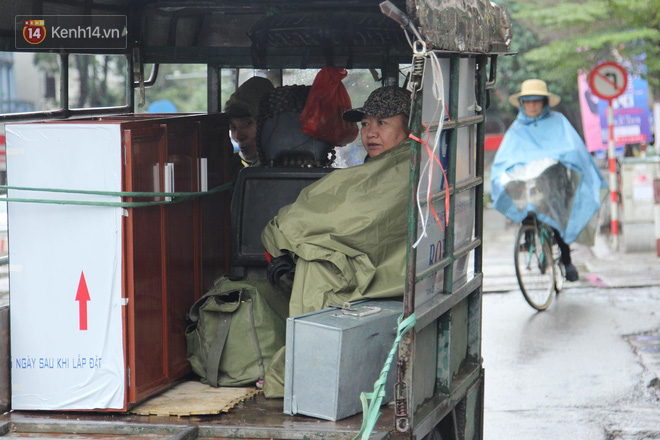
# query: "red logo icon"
34,31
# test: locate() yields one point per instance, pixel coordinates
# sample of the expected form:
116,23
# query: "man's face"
533,108
244,132
382,134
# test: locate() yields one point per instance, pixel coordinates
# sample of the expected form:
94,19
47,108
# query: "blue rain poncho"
543,166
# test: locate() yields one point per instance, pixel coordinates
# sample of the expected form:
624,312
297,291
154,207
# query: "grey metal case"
333,355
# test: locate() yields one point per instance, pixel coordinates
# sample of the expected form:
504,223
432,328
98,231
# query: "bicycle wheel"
535,267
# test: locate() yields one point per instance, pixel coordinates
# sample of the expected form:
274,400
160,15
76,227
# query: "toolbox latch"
357,312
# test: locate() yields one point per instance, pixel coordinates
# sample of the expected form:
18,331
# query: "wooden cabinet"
166,243
169,253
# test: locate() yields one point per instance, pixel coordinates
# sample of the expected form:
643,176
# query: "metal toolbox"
335,354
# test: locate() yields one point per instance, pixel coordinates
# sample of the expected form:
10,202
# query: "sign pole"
614,196
608,81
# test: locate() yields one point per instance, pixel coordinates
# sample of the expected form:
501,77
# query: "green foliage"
100,81
47,62
511,71
182,84
562,15
586,32
555,40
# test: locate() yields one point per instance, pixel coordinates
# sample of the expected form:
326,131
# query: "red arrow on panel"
82,296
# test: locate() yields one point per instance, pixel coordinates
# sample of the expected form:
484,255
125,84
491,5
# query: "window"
179,88
97,81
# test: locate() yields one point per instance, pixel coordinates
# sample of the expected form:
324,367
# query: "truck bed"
257,417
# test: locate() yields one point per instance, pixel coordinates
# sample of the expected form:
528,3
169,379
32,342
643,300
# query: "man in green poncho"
347,231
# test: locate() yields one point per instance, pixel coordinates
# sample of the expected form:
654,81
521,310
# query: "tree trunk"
81,64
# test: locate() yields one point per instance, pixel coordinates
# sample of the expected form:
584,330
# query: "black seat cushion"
259,194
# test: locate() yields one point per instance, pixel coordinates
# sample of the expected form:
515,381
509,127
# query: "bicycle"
539,269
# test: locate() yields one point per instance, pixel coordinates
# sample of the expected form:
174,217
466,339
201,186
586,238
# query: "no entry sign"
608,80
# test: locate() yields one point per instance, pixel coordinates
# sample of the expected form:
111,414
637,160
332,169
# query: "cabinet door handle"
203,174
169,180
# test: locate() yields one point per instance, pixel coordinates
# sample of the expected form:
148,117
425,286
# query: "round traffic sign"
608,80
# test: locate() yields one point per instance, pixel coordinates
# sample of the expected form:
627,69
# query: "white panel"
66,352
431,106
467,94
431,249
467,107
466,140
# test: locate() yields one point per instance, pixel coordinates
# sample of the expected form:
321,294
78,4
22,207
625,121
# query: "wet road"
584,369
568,373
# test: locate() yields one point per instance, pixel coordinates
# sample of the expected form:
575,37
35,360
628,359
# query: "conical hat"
534,87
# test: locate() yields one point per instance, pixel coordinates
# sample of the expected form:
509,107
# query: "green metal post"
404,403
482,62
481,79
454,76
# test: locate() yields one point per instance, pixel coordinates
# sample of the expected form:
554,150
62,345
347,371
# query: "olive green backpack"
234,330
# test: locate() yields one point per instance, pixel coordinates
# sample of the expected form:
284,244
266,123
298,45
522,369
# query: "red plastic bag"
327,101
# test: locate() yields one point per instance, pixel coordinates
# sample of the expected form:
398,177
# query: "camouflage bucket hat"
384,102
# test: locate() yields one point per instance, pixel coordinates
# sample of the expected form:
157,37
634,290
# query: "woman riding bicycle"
543,168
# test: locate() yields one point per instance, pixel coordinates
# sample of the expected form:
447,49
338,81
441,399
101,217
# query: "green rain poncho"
347,234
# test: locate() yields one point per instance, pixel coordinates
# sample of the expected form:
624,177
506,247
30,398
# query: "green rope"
371,410
176,196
